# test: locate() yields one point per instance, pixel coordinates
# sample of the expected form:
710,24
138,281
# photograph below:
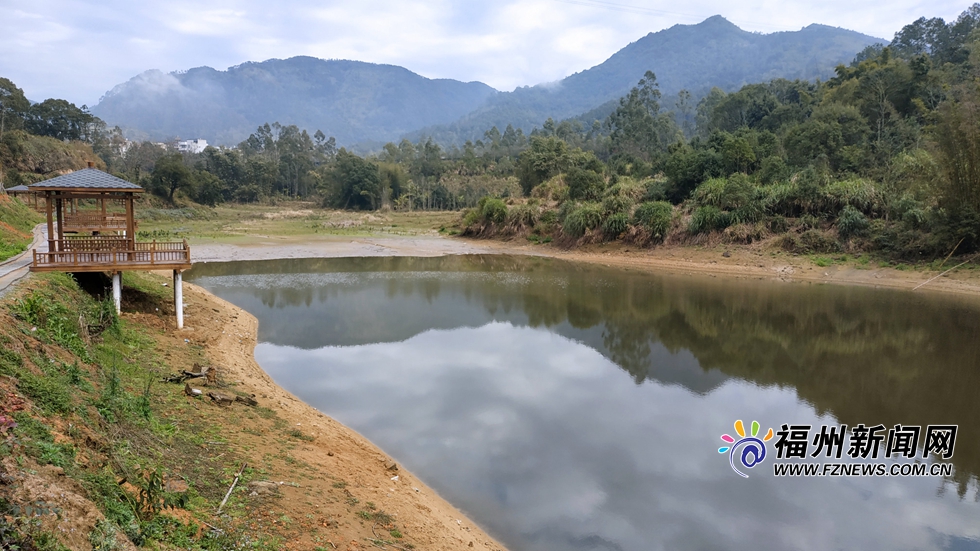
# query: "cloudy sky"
79,49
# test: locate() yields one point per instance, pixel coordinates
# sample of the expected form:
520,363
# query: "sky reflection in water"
571,407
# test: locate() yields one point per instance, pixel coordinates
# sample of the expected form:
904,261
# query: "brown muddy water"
566,406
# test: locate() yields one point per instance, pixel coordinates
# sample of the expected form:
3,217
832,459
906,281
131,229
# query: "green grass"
16,222
105,386
231,223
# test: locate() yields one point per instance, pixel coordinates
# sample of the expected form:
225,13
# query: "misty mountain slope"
714,52
350,100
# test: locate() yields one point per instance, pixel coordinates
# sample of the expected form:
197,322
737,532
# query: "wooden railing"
96,221
85,243
102,253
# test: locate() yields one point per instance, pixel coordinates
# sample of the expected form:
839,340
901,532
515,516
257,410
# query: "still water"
573,407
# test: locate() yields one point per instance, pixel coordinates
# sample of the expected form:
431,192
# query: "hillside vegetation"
687,59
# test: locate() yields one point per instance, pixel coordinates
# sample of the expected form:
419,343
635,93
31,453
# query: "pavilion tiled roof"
17,188
86,178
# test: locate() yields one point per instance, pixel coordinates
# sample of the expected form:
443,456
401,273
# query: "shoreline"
337,452
739,262
334,452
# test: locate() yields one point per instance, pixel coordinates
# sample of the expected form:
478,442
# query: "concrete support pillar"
117,291
179,298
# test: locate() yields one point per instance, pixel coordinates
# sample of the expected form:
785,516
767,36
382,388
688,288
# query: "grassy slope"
16,222
84,391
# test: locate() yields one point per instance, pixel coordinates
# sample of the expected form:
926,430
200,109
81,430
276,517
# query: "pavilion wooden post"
130,225
117,291
59,208
179,298
47,205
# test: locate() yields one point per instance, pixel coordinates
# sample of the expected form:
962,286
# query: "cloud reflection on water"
550,446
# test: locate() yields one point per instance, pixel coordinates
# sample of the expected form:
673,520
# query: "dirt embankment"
334,477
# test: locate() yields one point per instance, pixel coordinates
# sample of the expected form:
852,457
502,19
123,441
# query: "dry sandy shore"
741,262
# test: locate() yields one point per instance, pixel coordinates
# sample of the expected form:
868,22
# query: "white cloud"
78,49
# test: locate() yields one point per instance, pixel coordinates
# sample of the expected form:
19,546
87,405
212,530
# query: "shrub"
554,189
615,224
777,224
522,216
851,222
627,187
587,217
655,216
585,184
655,190
711,193
617,204
773,169
816,241
567,208
744,233
808,222
736,194
493,210
708,218
857,193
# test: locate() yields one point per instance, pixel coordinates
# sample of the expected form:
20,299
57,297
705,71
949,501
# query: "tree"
355,183
170,174
13,106
637,126
59,119
209,189
545,157
685,113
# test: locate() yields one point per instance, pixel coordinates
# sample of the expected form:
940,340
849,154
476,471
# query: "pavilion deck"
112,254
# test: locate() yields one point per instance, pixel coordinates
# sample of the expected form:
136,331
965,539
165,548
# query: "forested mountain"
713,53
349,100
358,102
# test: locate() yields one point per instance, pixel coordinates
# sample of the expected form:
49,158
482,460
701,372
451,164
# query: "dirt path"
13,269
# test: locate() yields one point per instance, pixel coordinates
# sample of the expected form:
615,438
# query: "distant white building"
192,146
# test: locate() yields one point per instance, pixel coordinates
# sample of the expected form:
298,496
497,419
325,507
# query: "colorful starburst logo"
753,450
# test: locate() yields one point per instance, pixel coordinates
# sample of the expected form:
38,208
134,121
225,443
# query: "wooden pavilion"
92,228
26,195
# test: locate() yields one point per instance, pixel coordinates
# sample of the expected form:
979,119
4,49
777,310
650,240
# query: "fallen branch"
233,483
247,400
946,272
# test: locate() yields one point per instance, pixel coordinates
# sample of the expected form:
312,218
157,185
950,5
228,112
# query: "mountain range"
364,102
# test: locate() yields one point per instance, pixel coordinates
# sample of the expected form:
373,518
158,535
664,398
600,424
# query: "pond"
567,406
